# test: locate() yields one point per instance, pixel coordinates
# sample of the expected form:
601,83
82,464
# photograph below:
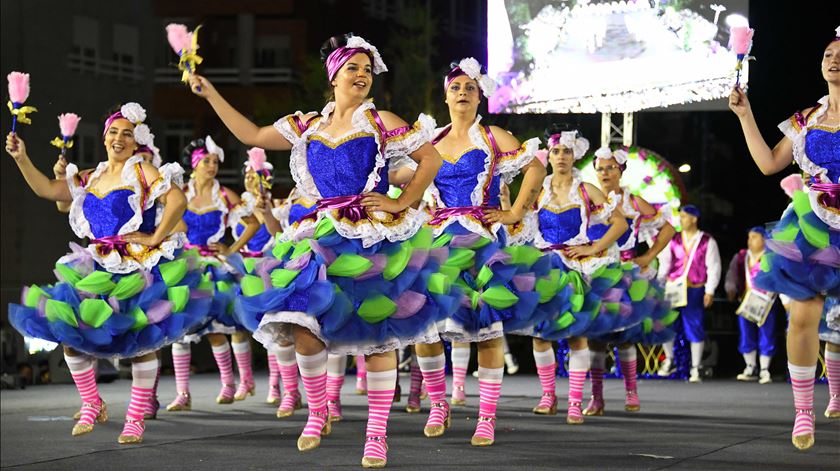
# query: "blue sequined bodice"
108,214
342,168
823,148
298,211
202,225
258,241
456,181
559,227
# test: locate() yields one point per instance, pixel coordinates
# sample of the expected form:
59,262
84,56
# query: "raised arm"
244,129
769,161
41,185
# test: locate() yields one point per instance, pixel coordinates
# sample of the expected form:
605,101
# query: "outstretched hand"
15,147
201,86
739,103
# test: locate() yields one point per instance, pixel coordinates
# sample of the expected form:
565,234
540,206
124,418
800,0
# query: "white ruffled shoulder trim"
243,209
601,214
797,137
828,215
510,167
649,228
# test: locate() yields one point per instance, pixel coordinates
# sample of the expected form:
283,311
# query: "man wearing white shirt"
691,264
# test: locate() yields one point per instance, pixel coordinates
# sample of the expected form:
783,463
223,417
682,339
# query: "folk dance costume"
692,269
754,339
361,281
588,295
114,298
648,295
803,252
205,226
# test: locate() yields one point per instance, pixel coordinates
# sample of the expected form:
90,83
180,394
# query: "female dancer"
645,223
356,276
803,253
567,210
211,209
468,218
118,297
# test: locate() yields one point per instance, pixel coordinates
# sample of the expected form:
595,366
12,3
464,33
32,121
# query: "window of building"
125,55
272,51
84,53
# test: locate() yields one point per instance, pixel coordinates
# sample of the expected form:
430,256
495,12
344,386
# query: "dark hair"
186,156
557,128
113,109
332,44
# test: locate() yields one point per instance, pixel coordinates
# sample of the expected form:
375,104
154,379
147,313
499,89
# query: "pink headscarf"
340,56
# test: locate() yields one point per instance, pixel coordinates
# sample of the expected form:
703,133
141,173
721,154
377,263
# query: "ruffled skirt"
110,315
356,299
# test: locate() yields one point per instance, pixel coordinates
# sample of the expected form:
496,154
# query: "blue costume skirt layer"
109,315
221,278
357,300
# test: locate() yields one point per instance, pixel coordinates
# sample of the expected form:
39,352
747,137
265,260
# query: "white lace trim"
243,209
478,141
298,166
602,213
590,265
401,147
453,331
509,169
832,218
649,228
530,225
283,212
218,203
798,140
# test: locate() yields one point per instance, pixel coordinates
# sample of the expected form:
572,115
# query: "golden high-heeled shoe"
177,406
283,413
833,414
221,399
433,431
803,442
307,443
241,395
551,410
375,463
101,417
132,439
595,407
458,401
483,441
574,420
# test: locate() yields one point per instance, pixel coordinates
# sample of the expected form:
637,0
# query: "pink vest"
679,257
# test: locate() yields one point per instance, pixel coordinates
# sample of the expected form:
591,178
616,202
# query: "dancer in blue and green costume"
360,274
802,259
582,257
212,208
131,291
647,225
498,281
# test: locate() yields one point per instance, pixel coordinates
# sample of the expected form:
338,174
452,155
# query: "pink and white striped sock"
142,384
489,390
181,357
273,376
547,372
460,362
361,367
416,382
242,353
578,364
222,355
84,375
627,358
336,366
433,370
313,372
832,370
802,382
288,375
380,396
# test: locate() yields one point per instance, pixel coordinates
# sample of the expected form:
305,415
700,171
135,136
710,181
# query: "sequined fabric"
108,214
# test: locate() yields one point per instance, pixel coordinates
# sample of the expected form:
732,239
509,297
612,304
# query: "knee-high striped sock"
489,390
578,364
802,382
336,364
597,366
546,370
242,353
380,396
287,360
181,357
416,378
313,372
433,370
273,376
142,384
222,355
84,376
832,369
460,361
627,358
361,368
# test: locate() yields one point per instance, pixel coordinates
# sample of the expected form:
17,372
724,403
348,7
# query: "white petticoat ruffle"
276,328
830,216
453,331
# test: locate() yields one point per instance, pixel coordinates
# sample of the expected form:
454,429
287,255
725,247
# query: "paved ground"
716,425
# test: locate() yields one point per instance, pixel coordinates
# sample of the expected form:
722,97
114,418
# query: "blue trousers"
758,338
692,316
